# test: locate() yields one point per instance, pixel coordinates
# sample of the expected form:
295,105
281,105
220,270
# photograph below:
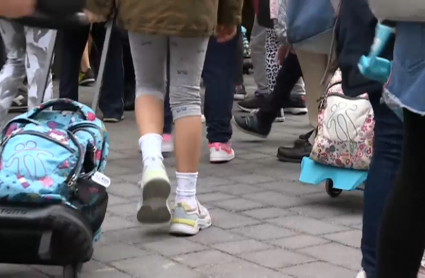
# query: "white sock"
150,145
186,188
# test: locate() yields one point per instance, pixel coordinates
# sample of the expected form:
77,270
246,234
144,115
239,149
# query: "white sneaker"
221,152
155,185
167,143
189,221
361,274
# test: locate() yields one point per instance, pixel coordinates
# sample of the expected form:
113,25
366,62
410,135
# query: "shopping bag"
311,24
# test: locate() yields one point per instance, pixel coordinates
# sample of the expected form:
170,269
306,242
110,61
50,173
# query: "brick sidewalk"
265,223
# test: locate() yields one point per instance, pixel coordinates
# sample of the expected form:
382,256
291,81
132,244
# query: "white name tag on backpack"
101,179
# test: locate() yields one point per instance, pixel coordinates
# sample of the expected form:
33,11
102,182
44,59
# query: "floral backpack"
345,129
45,154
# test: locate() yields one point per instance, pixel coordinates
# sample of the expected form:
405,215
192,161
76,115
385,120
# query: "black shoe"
295,154
240,93
251,125
303,137
295,105
252,104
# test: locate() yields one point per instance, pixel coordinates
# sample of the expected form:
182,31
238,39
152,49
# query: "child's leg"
186,64
13,73
149,56
37,41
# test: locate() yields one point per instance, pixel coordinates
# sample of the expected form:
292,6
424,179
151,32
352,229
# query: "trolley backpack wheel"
332,192
72,271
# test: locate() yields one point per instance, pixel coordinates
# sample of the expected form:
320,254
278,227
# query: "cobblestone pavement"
265,223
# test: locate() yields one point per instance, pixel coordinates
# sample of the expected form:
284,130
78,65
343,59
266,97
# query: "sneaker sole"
87,82
246,109
181,229
247,132
155,208
296,110
222,159
239,97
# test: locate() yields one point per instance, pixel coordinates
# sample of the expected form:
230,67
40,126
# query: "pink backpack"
345,129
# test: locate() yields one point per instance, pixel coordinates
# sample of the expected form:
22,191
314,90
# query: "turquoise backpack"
44,153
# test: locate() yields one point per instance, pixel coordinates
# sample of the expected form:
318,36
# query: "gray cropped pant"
186,63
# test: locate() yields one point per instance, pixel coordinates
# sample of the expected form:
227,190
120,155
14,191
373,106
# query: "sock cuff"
187,175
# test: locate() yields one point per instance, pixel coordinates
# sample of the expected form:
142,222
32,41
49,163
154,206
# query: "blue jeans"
379,184
219,75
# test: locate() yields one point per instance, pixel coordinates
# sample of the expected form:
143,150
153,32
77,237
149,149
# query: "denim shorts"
407,81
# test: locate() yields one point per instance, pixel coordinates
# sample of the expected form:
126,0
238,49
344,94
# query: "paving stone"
267,213
264,232
318,270
307,225
351,238
118,252
336,254
155,266
238,204
276,258
275,199
138,234
213,197
215,235
27,274
125,190
243,246
238,189
297,242
174,246
127,210
115,200
239,269
295,189
251,179
106,273
212,181
116,223
9,269
229,220
352,219
207,257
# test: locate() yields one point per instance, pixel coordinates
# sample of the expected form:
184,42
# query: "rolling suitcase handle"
105,49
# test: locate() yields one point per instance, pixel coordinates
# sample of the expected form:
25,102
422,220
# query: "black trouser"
288,75
239,60
73,44
127,60
402,236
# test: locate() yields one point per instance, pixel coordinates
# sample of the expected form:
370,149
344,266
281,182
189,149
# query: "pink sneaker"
220,152
167,143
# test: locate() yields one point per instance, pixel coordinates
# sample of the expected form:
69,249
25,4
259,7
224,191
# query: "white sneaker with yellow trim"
155,185
189,221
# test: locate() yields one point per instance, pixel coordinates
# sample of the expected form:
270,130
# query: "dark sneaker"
19,104
295,154
303,137
251,125
240,93
87,78
252,104
295,105
113,119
